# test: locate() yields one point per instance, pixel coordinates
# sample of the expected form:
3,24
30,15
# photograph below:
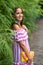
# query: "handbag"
24,58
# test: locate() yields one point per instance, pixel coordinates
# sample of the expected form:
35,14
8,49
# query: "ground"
36,43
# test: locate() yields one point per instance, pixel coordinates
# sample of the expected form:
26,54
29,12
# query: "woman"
20,39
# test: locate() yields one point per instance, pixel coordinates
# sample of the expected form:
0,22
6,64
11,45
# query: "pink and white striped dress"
19,35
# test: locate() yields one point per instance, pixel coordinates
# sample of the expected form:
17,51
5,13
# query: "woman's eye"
19,13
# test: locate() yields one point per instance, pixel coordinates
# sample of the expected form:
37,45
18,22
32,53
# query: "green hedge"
41,4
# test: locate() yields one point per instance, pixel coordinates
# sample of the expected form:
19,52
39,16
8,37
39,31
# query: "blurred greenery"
41,3
32,11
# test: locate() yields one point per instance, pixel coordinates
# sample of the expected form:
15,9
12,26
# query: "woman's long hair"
15,20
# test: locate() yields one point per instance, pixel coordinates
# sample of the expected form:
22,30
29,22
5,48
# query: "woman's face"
19,14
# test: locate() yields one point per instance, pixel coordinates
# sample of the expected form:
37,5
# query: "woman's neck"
19,24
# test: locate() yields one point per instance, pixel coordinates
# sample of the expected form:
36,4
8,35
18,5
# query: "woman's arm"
24,47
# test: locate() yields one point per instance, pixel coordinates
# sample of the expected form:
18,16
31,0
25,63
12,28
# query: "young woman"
20,38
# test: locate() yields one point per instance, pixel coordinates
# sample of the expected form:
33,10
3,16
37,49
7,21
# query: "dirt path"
36,43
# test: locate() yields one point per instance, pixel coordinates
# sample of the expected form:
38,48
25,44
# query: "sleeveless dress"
18,36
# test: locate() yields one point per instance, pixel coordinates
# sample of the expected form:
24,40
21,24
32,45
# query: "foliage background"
32,11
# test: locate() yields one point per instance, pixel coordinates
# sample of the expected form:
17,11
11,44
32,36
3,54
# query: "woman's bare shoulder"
16,27
25,27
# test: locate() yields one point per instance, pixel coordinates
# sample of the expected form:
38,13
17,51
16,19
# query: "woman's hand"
31,56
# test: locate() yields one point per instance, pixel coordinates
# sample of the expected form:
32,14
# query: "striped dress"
19,35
